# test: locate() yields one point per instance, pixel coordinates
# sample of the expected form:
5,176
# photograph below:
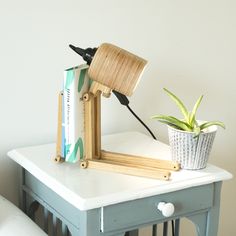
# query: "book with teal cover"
76,83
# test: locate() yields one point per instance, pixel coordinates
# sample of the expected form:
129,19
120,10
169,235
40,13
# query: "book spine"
63,130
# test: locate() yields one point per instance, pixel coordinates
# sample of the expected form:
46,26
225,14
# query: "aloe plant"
189,122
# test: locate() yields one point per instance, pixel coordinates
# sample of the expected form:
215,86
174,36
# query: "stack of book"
70,143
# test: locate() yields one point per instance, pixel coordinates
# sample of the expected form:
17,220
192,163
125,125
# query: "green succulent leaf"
172,121
197,131
179,103
191,119
170,124
210,123
193,113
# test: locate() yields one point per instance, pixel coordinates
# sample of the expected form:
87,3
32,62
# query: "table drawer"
144,211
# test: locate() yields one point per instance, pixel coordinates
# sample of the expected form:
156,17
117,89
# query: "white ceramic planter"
191,152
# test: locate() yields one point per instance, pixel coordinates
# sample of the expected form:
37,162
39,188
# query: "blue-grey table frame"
200,204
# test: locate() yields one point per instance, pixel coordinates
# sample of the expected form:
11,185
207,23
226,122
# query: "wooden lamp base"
132,165
111,161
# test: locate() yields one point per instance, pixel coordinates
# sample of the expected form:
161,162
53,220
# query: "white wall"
190,46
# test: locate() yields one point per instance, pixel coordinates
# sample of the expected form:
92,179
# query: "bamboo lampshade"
116,68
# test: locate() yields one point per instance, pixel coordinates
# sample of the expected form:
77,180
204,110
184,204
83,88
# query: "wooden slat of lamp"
114,69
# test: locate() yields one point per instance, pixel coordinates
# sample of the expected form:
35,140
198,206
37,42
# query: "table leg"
200,221
207,222
22,192
213,214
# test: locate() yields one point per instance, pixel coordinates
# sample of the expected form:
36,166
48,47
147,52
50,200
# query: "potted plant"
190,139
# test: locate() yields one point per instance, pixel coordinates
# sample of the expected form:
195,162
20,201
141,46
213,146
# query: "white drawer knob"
167,209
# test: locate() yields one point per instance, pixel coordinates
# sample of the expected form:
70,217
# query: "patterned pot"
190,151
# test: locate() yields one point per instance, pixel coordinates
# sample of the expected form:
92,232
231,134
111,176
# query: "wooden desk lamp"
114,69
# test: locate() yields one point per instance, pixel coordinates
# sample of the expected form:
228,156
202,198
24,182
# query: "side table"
88,202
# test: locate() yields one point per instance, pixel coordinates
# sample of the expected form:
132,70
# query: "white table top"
88,188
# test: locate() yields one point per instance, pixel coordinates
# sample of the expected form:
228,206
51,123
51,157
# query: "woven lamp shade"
116,68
